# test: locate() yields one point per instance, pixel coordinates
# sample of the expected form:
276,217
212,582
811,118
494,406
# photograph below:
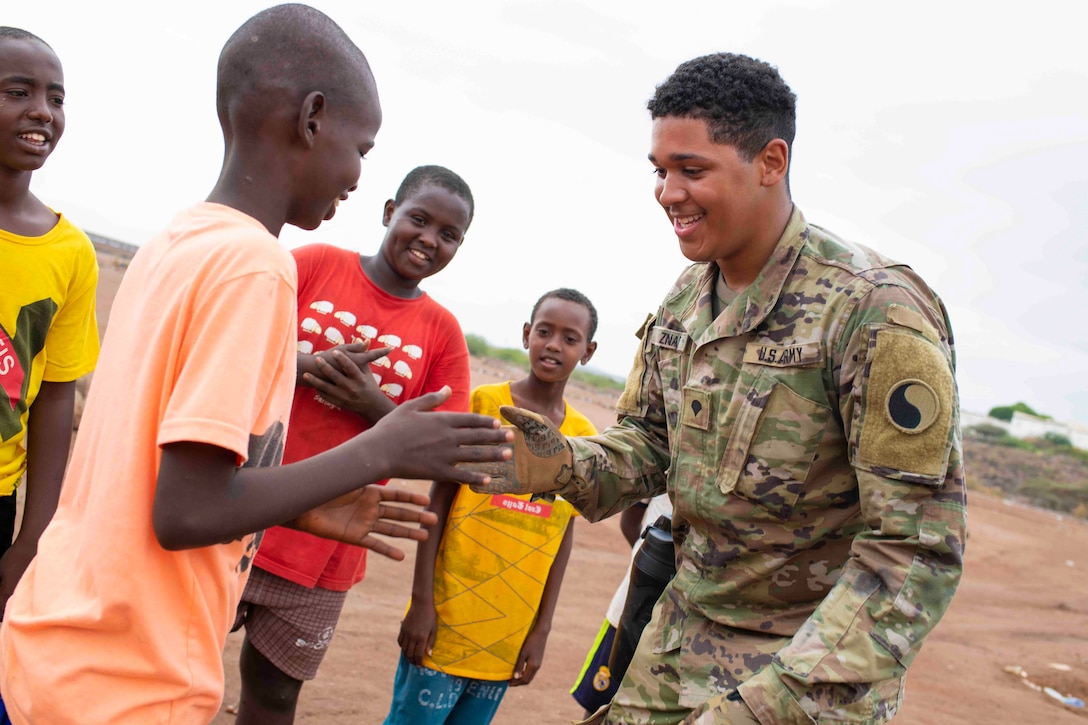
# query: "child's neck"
381,274
534,394
21,212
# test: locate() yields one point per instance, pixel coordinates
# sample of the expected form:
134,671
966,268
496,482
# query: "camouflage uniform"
809,439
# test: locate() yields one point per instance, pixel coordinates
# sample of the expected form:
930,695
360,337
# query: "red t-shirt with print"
338,304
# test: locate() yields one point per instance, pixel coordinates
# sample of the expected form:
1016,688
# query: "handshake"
542,460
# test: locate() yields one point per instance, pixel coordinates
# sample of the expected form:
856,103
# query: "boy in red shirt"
347,302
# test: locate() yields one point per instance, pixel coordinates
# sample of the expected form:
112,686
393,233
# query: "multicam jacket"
809,439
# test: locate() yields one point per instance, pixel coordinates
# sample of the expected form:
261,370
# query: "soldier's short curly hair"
744,101
422,176
570,295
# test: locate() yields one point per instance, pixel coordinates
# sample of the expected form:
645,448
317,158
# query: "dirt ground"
1023,603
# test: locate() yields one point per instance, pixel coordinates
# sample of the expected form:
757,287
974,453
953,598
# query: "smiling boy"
48,332
347,302
487,580
122,615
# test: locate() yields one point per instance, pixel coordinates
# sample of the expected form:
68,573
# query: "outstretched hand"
355,517
542,460
415,441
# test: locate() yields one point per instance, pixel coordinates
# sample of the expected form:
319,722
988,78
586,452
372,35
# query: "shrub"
986,431
477,346
1004,412
1057,440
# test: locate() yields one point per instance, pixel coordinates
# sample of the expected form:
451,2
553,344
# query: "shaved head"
282,54
9,33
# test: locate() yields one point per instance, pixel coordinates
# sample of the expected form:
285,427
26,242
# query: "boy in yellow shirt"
48,276
484,592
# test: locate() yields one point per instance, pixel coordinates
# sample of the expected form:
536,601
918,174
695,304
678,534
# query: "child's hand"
354,517
529,659
414,441
417,631
542,460
345,380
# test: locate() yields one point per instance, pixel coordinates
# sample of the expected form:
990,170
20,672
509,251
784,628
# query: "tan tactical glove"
542,457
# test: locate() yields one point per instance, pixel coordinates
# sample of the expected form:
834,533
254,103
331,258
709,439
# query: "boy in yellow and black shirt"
48,276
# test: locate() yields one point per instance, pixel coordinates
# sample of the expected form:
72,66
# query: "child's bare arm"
418,628
203,498
532,651
631,522
49,435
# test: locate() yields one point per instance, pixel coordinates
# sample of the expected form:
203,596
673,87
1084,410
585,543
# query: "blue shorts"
595,686
422,696
4,719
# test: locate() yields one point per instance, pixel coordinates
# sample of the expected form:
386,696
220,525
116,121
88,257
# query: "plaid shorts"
291,625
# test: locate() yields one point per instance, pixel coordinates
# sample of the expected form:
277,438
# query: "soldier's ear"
774,162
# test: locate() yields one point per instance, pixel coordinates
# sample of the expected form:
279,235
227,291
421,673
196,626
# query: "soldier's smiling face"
710,193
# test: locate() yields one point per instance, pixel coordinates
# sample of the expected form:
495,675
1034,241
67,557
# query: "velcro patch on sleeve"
908,398
629,400
905,316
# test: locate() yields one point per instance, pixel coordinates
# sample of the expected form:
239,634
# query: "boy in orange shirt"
122,616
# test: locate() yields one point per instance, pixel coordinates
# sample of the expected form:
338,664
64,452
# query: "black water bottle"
653,567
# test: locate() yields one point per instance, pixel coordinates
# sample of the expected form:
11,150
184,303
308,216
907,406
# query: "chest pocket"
776,430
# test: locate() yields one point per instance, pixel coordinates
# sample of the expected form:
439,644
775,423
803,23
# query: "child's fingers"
391,494
494,444
390,523
430,401
334,371
378,546
360,361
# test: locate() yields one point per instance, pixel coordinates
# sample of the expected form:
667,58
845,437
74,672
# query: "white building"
1023,425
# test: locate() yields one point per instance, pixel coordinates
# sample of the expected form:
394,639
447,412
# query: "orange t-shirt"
106,626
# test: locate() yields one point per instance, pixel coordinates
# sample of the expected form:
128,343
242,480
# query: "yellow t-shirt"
48,330
492,565
106,626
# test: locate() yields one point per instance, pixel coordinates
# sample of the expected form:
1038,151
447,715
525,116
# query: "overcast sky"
949,135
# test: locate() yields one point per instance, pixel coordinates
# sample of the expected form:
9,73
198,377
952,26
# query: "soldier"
795,395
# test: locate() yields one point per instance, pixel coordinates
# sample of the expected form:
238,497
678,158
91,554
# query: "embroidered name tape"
672,339
783,356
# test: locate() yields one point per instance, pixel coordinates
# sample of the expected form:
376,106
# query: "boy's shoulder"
576,423
217,241
63,234
489,397
320,253
500,391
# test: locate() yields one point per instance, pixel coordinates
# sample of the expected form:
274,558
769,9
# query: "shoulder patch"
907,404
912,406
